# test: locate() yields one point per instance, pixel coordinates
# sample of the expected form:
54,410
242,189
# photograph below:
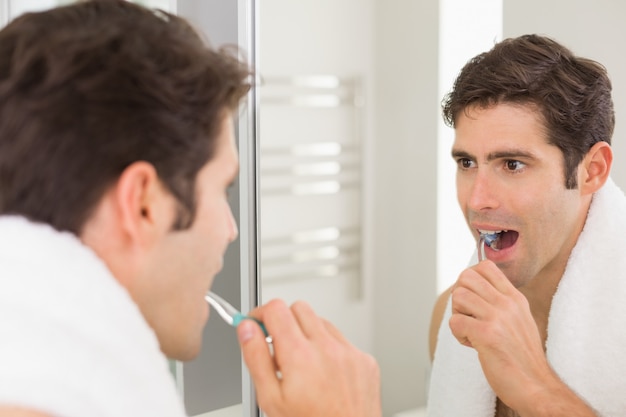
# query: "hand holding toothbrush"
321,373
492,316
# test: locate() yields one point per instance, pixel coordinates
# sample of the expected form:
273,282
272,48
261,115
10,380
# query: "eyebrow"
505,154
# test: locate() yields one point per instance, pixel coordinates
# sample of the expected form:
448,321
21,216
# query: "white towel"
586,343
72,342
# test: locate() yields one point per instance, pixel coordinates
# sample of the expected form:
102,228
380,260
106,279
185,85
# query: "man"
116,153
537,328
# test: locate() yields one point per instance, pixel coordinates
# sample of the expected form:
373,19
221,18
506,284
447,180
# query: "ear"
595,168
145,207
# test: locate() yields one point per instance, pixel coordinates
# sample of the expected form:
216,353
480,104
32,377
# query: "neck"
541,289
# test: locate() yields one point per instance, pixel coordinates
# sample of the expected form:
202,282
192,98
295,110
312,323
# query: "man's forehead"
499,121
473,110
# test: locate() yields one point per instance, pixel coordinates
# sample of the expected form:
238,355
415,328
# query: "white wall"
594,29
303,38
407,114
393,45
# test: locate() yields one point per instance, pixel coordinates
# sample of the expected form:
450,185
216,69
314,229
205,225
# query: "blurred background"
357,212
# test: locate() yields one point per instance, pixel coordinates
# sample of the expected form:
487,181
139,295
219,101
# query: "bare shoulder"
436,318
12,411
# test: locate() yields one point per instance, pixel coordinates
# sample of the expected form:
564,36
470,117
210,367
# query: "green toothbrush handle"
239,317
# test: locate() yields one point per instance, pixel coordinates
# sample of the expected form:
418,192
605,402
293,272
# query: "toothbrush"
488,239
230,314
233,317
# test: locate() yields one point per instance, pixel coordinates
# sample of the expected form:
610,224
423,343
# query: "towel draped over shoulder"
72,341
586,344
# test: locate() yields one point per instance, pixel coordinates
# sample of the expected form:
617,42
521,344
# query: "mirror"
350,107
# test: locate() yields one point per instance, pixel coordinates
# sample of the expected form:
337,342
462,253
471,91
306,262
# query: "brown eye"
465,163
513,165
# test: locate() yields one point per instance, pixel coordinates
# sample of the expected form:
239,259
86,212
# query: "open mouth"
499,239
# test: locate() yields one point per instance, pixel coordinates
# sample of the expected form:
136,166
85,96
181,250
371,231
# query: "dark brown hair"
572,94
88,89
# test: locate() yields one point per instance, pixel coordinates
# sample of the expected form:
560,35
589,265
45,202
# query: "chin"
182,352
183,340
184,345
190,355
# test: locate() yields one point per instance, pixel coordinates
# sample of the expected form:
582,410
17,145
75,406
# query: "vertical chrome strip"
248,186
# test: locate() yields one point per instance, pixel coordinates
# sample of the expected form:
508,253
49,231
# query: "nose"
482,193
232,225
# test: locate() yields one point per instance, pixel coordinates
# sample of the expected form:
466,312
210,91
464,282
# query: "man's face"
509,178
182,266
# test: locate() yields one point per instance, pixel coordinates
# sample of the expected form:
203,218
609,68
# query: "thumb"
260,363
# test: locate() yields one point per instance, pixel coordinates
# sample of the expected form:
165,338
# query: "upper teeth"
490,232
